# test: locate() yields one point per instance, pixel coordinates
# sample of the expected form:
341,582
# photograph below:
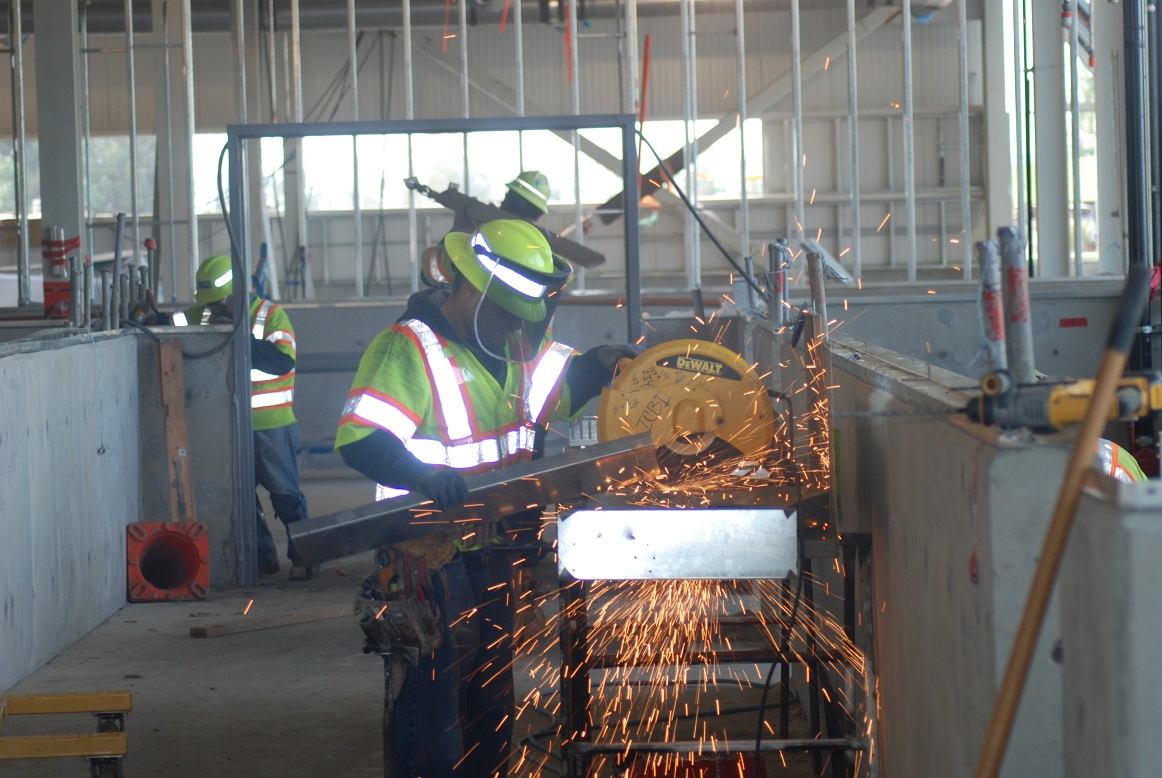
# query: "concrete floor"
297,700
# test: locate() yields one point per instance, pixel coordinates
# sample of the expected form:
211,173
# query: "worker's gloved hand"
609,356
444,486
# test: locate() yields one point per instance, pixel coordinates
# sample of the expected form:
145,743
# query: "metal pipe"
271,48
909,141
171,214
357,210
115,299
126,291
74,292
87,302
743,203
133,189
1019,96
306,291
687,17
518,21
1018,322
106,302
465,90
23,262
1137,149
86,133
992,308
191,202
965,201
818,291
1075,136
409,112
630,55
575,64
797,121
853,129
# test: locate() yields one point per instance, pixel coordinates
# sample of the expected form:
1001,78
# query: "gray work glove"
444,486
609,356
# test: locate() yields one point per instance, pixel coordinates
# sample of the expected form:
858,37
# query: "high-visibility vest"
1115,461
436,397
271,396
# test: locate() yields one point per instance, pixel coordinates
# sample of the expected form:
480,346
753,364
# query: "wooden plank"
173,408
3,713
254,623
54,746
81,702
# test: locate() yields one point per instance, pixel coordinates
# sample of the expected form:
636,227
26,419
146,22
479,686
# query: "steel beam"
574,475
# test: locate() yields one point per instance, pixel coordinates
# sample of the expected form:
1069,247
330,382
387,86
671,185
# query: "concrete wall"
213,441
69,483
1110,631
957,514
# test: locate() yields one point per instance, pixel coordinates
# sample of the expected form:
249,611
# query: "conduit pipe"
965,202
797,123
1075,135
357,213
853,131
23,265
909,141
1018,322
992,309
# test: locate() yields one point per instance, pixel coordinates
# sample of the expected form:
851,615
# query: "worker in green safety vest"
459,384
277,440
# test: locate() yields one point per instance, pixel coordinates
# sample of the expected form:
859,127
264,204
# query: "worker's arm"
383,458
268,358
389,397
592,371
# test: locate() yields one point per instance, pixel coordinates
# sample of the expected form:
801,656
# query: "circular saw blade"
693,397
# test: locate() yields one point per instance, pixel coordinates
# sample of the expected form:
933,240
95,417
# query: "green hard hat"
533,186
511,262
215,280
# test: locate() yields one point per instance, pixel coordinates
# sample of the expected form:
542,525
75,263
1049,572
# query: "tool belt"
396,606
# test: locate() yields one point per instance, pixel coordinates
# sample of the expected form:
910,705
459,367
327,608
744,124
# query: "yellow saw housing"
687,394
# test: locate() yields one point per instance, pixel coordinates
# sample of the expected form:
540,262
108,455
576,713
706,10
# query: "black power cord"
698,217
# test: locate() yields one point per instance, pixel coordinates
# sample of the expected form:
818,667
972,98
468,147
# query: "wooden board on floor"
254,623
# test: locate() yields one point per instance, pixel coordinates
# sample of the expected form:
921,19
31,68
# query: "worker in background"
527,198
1115,461
277,442
458,385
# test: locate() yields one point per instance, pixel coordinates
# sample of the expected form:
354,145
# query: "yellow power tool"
692,396
1052,406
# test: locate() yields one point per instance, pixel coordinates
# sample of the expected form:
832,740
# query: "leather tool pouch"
397,608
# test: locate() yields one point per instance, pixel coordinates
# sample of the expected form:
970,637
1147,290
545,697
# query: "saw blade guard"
689,395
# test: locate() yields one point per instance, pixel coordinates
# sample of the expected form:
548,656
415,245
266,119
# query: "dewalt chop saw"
699,401
719,506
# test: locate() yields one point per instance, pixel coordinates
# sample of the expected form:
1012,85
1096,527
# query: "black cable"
697,216
235,252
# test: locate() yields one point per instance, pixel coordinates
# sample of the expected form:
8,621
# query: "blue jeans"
460,698
276,469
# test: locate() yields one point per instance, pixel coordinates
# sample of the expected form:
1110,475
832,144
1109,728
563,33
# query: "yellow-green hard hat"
215,280
511,262
533,186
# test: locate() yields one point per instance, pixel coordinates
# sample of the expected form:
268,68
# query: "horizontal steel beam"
701,748
577,474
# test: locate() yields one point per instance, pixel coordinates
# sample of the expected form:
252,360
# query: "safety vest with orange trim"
435,396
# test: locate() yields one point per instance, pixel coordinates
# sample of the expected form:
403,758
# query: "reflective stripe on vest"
453,407
545,378
383,413
271,399
1105,456
259,326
